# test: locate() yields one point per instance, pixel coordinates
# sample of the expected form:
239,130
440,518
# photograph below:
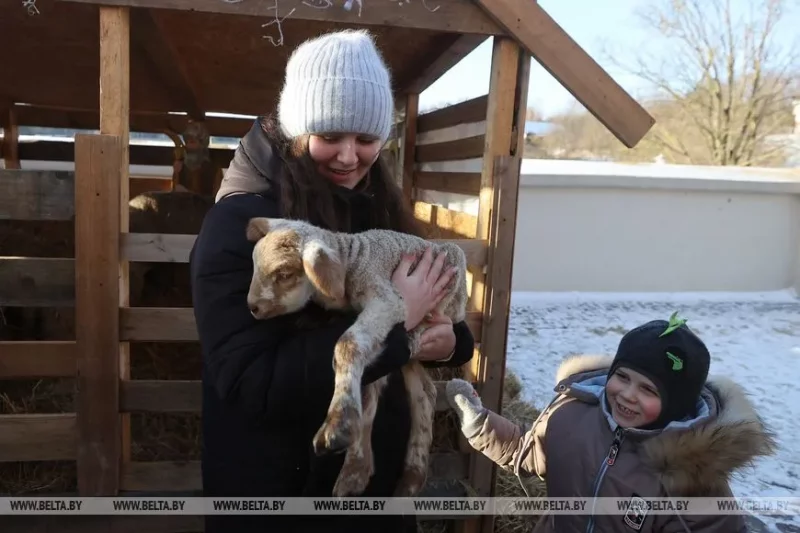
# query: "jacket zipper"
610,459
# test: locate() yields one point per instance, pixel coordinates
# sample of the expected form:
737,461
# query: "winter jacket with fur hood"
573,438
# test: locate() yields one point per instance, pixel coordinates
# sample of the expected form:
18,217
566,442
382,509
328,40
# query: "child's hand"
467,405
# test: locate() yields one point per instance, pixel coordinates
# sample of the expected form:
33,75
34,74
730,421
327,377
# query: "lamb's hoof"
411,483
332,437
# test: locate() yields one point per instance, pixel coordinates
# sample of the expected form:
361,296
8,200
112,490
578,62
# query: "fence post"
97,258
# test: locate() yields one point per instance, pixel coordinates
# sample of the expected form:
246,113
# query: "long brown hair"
306,195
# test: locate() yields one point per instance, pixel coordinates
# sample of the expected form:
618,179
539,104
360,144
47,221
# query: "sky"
591,23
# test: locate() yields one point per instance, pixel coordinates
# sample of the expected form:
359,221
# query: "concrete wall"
585,226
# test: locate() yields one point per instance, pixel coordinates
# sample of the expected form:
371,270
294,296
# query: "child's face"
633,398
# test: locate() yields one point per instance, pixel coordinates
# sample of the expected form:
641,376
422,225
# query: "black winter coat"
267,384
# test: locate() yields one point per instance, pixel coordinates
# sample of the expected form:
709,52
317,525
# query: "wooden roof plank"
452,16
566,61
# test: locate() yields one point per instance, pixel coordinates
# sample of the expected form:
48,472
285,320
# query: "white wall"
585,226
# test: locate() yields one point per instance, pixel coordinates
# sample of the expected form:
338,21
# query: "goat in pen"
296,262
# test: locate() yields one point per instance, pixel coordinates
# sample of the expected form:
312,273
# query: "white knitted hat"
337,82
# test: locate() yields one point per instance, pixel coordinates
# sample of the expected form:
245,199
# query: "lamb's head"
292,263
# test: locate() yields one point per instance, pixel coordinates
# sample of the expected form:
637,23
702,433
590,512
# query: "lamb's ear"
257,228
324,269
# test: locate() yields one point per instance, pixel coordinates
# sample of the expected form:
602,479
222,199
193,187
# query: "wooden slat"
50,194
97,227
38,437
177,324
468,148
37,359
185,396
568,63
473,110
37,282
36,195
455,182
451,16
445,223
169,248
186,476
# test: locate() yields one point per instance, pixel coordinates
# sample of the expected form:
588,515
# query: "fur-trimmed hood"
693,456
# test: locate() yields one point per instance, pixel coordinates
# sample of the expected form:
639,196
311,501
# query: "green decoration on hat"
677,362
674,323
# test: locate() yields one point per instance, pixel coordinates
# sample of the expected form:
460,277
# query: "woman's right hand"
424,288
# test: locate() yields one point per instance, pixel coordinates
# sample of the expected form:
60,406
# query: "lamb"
296,262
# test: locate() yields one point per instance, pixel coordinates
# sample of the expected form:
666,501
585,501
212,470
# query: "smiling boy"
645,423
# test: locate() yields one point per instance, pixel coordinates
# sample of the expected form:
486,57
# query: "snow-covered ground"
753,338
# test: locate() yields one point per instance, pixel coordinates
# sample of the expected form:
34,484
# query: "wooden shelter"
122,66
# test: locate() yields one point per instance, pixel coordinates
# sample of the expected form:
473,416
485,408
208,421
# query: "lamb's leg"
359,463
356,349
422,403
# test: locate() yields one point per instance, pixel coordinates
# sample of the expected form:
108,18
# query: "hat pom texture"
337,83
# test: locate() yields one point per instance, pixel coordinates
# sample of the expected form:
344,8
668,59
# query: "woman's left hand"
439,340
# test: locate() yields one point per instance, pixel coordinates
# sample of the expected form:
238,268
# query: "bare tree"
732,83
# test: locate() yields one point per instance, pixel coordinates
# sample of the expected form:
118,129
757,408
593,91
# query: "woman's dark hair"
307,195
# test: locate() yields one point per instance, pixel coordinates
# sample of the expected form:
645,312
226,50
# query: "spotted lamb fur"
296,262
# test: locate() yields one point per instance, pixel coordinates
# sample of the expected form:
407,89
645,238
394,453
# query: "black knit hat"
673,357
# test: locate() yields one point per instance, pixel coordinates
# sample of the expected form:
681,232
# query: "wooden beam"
409,142
186,396
453,16
97,163
459,48
154,45
500,118
37,359
177,324
115,106
567,62
38,437
10,145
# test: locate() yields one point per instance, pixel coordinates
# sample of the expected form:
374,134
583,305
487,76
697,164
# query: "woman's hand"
439,340
422,289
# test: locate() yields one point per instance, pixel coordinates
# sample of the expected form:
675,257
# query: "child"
646,424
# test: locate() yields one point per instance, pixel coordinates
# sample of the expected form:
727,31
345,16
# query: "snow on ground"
754,338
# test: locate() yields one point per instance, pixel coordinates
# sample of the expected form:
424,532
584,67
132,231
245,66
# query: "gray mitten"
468,406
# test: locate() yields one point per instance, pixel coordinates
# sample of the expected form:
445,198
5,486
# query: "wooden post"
97,186
501,139
115,120
409,144
10,140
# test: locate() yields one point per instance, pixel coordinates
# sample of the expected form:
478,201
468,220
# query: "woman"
267,384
